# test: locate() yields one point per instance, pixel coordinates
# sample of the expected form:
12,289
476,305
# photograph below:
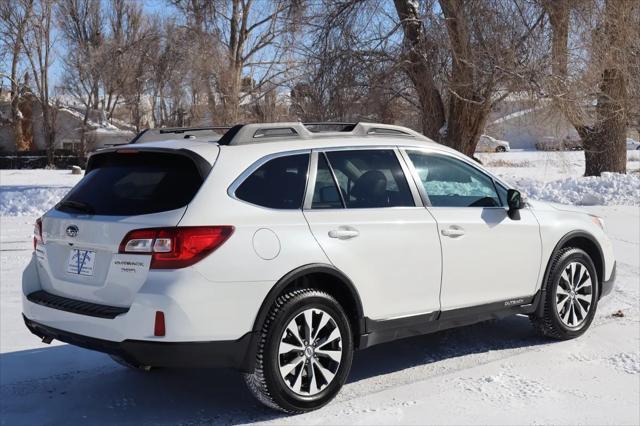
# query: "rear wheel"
570,296
304,353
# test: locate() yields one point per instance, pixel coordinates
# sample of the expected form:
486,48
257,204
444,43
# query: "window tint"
277,184
325,193
453,183
134,184
370,178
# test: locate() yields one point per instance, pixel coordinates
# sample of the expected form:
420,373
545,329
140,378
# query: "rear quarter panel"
237,260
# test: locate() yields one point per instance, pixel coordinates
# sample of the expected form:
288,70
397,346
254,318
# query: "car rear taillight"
173,248
37,233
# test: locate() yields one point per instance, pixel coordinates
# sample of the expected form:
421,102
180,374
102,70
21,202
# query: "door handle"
344,233
453,232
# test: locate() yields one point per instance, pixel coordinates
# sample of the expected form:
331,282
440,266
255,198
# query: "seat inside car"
370,190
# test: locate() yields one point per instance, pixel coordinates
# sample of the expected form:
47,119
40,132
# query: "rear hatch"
122,190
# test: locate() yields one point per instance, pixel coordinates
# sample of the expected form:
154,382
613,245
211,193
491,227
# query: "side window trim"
335,179
423,192
231,191
416,184
496,184
311,180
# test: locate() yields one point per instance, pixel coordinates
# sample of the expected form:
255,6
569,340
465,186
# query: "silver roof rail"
264,132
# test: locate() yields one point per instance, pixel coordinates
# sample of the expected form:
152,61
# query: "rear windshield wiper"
76,205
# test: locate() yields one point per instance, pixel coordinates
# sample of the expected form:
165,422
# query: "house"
68,128
524,122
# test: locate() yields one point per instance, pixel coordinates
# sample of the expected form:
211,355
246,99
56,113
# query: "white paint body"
400,262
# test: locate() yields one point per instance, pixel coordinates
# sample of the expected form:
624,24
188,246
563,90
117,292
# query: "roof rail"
211,132
328,126
264,132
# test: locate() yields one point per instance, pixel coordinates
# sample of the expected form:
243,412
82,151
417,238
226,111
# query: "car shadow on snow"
68,385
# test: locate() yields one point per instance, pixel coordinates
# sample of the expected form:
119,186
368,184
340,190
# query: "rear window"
131,184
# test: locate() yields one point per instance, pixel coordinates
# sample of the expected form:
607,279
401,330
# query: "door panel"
487,257
394,260
363,215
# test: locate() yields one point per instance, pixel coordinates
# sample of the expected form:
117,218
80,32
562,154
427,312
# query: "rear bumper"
195,309
236,354
607,286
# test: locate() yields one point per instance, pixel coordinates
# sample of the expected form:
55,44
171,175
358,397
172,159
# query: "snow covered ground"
496,372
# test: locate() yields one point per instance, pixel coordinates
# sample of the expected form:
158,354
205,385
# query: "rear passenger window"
277,184
370,178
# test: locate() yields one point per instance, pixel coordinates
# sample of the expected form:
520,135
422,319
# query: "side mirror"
514,200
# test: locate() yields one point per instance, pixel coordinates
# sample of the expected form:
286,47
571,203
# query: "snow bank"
33,192
608,189
31,201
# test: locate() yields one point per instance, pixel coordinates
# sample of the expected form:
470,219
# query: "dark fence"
62,159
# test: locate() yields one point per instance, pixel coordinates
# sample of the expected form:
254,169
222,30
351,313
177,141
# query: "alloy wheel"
310,352
574,294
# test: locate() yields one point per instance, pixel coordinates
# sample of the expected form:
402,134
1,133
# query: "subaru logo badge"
72,230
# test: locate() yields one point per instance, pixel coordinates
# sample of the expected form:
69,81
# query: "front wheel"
570,296
304,352
501,149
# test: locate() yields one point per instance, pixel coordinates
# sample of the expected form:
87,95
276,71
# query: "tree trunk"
603,142
464,131
558,12
605,148
419,70
48,128
468,112
16,119
83,132
431,105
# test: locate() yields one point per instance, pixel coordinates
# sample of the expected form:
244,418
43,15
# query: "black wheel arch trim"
300,272
279,287
559,246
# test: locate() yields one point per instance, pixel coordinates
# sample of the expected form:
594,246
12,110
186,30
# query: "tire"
566,294
131,365
309,385
501,149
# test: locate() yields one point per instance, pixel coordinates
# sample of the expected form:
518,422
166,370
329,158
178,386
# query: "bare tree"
237,36
14,17
606,51
37,43
486,57
81,24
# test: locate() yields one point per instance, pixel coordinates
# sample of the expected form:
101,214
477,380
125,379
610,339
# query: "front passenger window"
449,182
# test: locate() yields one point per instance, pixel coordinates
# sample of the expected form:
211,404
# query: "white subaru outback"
279,249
